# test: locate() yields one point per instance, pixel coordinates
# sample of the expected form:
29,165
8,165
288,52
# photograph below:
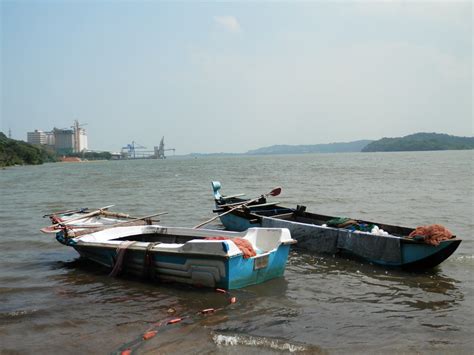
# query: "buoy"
150,334
233,300
126,352
208,310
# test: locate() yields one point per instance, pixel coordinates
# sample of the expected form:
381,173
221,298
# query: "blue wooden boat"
185,255
312,233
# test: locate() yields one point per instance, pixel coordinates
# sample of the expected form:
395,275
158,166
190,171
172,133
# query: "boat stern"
416,255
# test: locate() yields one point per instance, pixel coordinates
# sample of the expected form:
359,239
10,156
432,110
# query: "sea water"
51,301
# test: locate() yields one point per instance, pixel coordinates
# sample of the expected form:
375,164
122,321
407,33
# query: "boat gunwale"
133,247
175,247
247,212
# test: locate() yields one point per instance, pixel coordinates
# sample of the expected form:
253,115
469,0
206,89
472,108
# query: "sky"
234,76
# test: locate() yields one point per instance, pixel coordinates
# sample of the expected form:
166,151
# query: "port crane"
135,150
160,150
76,134
130,149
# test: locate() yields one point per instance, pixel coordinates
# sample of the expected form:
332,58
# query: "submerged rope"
132,346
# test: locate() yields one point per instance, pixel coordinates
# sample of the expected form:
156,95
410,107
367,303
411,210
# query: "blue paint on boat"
236,223
243,272
195,260
225,247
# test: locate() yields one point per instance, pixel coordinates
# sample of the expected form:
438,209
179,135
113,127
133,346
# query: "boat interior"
298,214
158,238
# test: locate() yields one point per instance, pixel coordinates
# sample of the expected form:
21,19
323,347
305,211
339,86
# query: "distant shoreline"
411,143
14,152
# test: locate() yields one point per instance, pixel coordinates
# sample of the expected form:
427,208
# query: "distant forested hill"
18,152
355,146
421,141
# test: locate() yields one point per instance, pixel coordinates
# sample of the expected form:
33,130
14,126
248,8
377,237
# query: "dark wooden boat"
394,248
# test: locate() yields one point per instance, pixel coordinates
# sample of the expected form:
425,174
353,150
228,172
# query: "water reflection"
363,282
87,279
429,280
318,294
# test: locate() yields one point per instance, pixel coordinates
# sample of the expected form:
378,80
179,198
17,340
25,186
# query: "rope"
132,346
122,248
148,269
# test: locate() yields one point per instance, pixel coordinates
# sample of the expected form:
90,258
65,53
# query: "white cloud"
229,23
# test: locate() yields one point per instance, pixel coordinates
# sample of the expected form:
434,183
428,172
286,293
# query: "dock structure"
135,150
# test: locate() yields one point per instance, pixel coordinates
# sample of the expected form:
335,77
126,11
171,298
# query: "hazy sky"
229,77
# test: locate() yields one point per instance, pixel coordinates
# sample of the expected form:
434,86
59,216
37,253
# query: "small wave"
462,259
17,314
247,340
465,257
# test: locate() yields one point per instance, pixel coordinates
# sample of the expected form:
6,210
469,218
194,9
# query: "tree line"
13,152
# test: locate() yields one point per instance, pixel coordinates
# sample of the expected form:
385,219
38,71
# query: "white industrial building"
64,141
50,138
36,137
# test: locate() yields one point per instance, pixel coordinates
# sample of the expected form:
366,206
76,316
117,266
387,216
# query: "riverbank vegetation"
13,152
421,142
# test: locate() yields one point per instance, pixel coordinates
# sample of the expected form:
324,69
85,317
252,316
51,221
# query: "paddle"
66,212
275,192
86,215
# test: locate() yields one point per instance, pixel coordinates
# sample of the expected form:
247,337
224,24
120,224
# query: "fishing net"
243,244
432,234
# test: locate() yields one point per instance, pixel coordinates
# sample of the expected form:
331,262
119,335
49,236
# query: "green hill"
355,146
420,142
18,152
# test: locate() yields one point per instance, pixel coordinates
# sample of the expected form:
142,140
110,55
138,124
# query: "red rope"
153,331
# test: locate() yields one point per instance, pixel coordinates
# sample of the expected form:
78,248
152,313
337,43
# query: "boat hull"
418,255
200,257
203,271
385,251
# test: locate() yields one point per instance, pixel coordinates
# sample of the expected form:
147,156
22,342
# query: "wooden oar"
118,224
65,212
86,215
275,192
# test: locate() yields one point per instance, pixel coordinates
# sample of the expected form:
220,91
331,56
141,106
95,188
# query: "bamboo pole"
69,221
98,229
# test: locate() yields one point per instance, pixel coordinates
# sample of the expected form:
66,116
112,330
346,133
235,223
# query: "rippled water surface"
53,302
